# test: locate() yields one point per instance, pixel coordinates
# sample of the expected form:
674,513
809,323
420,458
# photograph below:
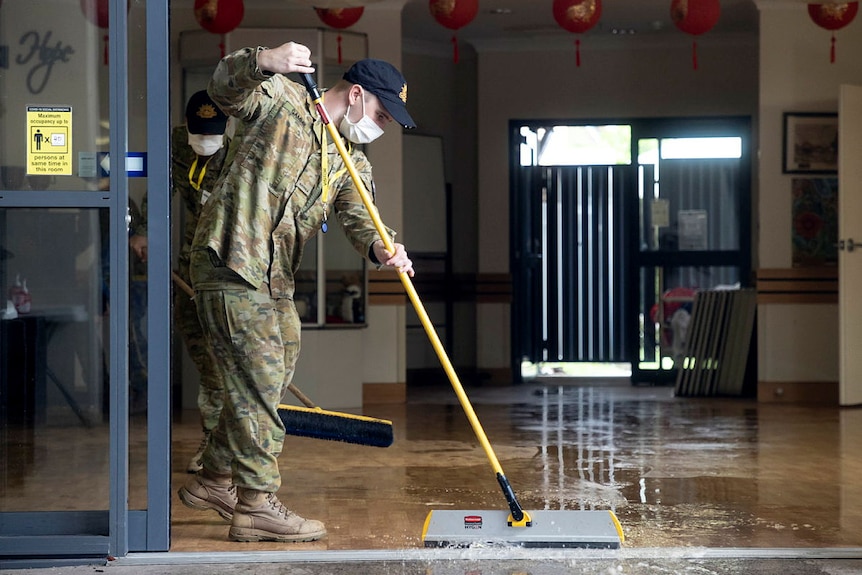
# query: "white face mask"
206,144
364,131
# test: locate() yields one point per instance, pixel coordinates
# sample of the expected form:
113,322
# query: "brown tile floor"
678,472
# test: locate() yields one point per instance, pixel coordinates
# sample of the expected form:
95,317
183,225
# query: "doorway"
615,226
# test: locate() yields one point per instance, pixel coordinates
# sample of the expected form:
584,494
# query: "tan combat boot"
260,516
205,490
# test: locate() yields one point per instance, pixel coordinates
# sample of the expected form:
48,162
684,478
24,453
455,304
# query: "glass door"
83,399
694,217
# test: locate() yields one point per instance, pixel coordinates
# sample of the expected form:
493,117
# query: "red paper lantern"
454,14
695,17
833,16
340,18
219,16
577,16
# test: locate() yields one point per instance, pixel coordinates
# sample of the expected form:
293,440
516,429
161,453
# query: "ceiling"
516,19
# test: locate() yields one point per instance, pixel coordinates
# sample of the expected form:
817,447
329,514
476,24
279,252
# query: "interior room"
633,292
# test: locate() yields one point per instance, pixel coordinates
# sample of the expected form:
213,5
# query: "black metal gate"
570,253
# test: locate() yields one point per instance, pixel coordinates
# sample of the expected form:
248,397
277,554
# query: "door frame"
850,137
118,530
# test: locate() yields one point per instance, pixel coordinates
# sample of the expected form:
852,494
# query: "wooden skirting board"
803,392
384,288
797,285
384,393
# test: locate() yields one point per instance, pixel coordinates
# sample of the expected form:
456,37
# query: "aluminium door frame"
117,531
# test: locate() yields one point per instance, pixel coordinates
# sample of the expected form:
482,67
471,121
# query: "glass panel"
576,146
689,204
345,281
305,296
664,308
53,70
53,359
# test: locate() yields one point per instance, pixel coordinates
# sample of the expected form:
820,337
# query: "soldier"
197,155
283,176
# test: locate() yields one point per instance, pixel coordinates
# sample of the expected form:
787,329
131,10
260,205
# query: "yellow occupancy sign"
49,140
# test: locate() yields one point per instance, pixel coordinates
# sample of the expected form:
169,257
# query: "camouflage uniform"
249,244
185,313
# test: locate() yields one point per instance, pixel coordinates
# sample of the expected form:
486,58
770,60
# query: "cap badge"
403,93
207,112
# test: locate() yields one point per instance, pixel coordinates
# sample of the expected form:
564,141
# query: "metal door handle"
849,245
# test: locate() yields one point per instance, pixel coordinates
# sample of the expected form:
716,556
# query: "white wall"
443,103
795,76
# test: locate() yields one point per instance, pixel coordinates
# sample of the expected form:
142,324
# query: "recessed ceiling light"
499,11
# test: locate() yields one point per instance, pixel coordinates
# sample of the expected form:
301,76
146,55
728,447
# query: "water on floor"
677,472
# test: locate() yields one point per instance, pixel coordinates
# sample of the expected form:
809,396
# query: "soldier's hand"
287,58
398,260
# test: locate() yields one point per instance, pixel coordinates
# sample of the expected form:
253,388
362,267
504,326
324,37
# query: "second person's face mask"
206,144
362,132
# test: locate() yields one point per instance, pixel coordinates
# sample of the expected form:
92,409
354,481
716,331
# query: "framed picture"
810,143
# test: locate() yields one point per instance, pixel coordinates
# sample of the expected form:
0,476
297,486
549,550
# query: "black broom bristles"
335,426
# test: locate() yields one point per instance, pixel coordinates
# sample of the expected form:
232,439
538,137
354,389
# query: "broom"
316,423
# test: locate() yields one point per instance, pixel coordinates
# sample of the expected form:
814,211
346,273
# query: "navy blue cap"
203,116
384,81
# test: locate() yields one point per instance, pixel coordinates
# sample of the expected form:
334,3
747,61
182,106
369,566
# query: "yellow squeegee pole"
519,517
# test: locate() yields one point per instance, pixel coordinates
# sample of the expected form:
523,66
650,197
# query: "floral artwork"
815,221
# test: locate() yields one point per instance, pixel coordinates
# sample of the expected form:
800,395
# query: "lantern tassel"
105,51
221,45
578,52
455,48
338,41
832,50
694,54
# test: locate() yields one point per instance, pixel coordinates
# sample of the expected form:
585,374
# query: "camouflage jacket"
268,202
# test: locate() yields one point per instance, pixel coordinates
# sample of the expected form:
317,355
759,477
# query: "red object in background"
219,16
96,11
577,16
833,16
454,14
340,18
695,17
673,299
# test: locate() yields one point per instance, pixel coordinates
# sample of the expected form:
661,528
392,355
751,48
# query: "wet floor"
679,473
675,471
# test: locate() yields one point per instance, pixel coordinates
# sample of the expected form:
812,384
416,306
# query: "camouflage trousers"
255,340
187,322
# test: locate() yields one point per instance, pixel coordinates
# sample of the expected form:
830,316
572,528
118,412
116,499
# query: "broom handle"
519,516
183,285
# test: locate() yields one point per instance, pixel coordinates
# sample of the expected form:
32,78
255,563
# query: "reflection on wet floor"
678,472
